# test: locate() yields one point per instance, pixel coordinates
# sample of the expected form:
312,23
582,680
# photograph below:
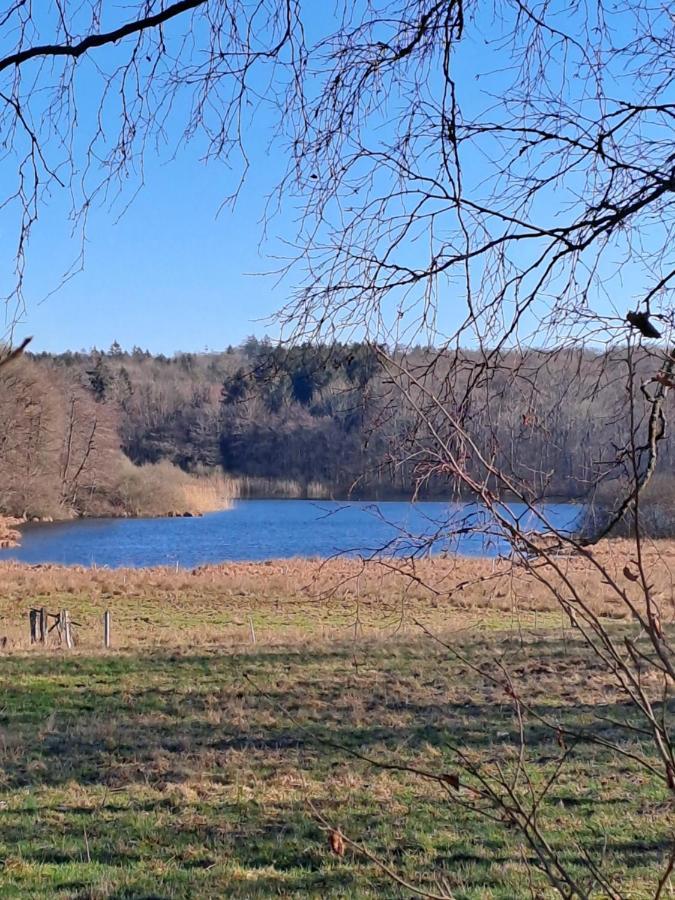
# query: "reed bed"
209,493
301,599
248,487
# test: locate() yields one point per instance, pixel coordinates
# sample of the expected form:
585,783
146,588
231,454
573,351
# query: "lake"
277,529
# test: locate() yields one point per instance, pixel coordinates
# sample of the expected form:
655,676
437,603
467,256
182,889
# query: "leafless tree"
529,206
478,175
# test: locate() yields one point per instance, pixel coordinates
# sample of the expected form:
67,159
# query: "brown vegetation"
322,420
295,600
57,448
9,536
162,489
60,455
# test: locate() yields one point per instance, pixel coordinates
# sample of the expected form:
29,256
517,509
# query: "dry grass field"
190,761
293,600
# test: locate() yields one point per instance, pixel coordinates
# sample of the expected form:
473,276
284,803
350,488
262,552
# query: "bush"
656,508
159,489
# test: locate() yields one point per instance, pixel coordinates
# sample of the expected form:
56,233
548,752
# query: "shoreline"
662,549
255,498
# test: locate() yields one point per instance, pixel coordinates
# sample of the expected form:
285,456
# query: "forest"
459,216
128,433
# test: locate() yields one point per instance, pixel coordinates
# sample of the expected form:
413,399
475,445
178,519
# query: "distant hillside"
302,421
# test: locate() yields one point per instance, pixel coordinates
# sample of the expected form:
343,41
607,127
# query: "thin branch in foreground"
15,353
100,40
364,851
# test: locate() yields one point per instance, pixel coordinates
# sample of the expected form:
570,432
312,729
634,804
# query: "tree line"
306,420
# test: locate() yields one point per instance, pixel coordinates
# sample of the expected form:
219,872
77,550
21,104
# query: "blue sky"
173,273
174,269
177,271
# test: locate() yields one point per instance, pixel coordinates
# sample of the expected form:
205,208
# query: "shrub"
158,489
656,508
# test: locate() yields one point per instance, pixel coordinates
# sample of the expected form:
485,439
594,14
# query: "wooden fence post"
65,629
106,629
43,627
33,619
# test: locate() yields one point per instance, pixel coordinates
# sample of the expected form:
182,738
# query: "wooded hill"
300,421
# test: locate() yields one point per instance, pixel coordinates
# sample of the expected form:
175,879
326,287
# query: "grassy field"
191,762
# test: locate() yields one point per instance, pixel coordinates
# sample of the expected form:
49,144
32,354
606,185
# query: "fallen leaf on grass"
560,738
337,845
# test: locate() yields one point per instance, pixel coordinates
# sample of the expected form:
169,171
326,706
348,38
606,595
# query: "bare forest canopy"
458,173
311,420
490,175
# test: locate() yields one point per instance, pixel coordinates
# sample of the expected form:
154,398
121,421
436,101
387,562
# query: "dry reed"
298,600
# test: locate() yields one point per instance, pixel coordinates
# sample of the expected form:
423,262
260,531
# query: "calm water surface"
274,529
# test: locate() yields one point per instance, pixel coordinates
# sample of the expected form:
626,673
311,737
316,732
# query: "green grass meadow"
162,774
